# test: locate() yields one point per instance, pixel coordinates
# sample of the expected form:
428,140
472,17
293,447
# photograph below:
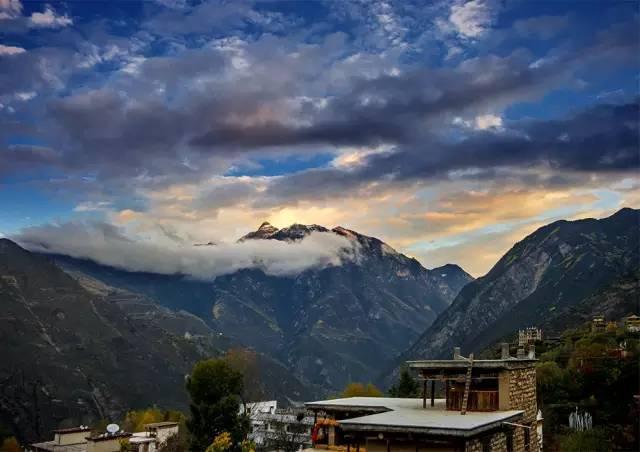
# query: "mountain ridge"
323,322
555,268
96,351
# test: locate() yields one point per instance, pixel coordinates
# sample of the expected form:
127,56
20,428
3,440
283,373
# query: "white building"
81,439
529,335
270,425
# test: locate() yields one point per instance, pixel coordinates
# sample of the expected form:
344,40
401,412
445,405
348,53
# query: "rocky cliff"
329,326
564,268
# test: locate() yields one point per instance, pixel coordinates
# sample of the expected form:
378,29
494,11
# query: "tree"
247,363
10,444
221,443
175,443
361,390
590,441
215,390
135,420
406,387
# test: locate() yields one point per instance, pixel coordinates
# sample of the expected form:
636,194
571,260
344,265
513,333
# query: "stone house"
489,406
82,439
529,335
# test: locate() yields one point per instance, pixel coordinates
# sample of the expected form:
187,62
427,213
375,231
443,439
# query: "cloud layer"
108,245
204,118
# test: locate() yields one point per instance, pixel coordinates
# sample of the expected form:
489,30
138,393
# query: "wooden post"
433,392
467,386
424,393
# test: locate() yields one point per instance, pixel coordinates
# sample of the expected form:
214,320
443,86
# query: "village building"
488,406
271,426
529,335
64,440
81,439
107,442
598,324
632,323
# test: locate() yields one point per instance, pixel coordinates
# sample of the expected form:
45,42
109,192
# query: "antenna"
113,428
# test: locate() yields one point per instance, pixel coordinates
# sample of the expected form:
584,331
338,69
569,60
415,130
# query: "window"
486,444
509,435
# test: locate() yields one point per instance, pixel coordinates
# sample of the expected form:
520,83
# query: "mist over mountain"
96,351
78,351
328,324
109,245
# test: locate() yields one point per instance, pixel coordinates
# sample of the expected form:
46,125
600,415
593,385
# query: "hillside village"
496,404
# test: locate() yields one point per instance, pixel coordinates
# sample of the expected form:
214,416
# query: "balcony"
479,399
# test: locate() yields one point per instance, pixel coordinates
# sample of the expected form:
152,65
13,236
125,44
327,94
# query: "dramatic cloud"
109,245
10,9
472,19
206,118
599,139
49,19
10,50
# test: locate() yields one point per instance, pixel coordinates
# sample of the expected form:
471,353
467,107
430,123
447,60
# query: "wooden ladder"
467,386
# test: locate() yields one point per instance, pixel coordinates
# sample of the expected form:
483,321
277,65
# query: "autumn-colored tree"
135,420
221,443
10,444
361,390
247,363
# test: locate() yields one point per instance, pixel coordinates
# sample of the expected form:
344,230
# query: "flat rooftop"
55,447
407,415
434,364
164,424
81,428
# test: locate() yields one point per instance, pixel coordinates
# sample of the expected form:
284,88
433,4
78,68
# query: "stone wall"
522,396
497,442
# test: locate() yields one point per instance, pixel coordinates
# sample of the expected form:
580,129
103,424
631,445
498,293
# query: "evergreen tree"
406,387
215,390
361,390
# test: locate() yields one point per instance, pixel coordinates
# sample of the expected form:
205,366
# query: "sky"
448,129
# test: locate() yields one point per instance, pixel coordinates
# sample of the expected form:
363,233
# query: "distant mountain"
75,350
555,278
264,231
328,326
334,325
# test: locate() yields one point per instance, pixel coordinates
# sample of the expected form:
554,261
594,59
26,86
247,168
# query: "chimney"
532,351
456,352
520,352
504,351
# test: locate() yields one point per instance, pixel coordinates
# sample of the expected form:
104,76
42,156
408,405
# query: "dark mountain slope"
330,325
75,350
75,355
337,324
560,267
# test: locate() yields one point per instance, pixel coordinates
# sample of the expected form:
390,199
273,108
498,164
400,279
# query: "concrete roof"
81,428
407,415
477,364
55,447
161,424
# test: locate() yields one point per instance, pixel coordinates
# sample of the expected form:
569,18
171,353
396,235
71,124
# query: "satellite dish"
113,428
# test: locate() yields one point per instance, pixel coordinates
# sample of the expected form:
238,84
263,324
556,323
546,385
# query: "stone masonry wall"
497,443
522,396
